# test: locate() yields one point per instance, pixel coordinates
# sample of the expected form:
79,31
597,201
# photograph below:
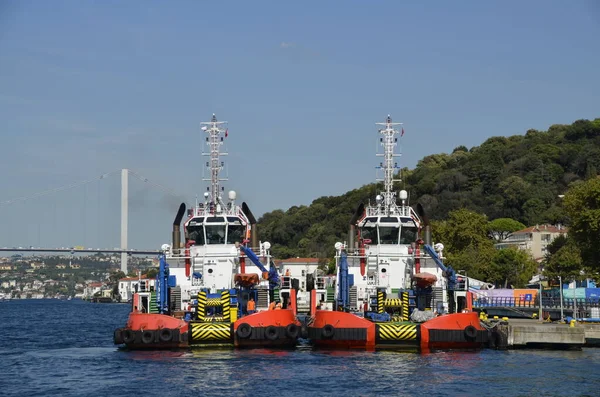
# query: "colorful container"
592,294
525,296
578,293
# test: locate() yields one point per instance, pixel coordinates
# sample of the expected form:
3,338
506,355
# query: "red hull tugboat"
206,294
388,294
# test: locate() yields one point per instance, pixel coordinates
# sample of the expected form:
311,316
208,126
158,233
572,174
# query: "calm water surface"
64,348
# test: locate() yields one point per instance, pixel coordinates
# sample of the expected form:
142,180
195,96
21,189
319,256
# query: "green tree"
500,229
511,266
152,272
466,243
582,203
564,262
462,229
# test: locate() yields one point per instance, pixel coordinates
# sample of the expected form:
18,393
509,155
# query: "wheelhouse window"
388,234
369,233
215,234
408,235
195,231
235,233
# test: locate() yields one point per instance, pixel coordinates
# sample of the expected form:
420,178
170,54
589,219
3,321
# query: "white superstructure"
384,256
211,231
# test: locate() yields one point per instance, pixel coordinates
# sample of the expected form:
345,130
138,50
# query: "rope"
58,189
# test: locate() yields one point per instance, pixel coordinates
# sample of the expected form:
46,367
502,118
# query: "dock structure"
592,334
531,333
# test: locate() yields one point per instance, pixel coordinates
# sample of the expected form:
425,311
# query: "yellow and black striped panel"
405,306
211,319
210,332
379,301
396,332
201,312
392,302
225,303
212,302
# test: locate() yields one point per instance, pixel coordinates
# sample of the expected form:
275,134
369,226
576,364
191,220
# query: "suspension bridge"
77,217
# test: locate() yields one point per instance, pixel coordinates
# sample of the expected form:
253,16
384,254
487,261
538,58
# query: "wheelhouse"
388,230
212,230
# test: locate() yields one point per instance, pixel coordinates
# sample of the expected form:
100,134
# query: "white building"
130,285
534,239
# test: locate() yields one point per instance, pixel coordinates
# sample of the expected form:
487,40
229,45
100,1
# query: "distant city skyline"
88,88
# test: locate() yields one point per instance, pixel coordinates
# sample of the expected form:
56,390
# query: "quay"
531,333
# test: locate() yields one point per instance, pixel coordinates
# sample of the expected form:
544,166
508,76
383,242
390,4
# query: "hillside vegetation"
518,177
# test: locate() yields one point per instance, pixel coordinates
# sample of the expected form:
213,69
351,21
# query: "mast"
214,140
389,142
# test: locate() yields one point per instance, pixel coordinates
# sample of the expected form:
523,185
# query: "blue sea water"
65,348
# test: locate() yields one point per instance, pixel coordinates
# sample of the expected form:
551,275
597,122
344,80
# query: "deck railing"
547,302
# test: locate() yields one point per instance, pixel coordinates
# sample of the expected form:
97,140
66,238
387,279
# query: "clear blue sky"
88,87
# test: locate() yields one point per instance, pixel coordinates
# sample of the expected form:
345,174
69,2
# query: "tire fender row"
271,332
145,337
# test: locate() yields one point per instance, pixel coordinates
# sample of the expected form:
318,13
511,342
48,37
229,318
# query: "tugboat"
206,293
388,293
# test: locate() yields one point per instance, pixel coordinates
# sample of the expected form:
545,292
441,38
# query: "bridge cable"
146,180
58,189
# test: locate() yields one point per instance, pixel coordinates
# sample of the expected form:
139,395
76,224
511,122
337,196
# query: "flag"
226,132
402,134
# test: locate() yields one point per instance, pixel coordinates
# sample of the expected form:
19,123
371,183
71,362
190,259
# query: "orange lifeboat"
246,279
424,279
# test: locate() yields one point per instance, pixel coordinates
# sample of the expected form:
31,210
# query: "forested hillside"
518,177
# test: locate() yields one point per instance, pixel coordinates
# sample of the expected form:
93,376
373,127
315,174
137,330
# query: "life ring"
128,336
165,335
328,331
272,333
292,331
470,332
244,331
147,336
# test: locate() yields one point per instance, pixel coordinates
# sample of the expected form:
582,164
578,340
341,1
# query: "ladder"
153,308
353,294
263,299
175,298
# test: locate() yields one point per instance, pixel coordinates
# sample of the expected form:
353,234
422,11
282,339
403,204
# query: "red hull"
341,330
152,331
274,328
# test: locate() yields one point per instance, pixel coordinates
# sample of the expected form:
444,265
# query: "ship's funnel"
177,229
357,214
252,220
352,232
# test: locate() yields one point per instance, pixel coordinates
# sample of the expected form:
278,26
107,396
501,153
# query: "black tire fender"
272,333
165,335
244,331
128,336
292,331
328,331
147,336
118,338
470,332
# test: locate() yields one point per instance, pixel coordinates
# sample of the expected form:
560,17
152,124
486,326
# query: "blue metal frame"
162,284
343,287
449,273
273,275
